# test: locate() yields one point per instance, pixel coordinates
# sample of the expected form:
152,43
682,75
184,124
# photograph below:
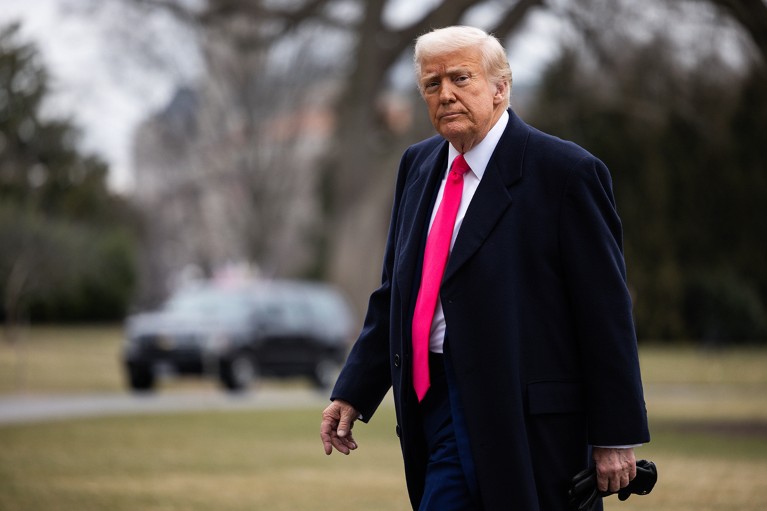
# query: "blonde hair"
449,39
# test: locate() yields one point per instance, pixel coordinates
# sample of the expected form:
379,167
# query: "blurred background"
144,143
144,139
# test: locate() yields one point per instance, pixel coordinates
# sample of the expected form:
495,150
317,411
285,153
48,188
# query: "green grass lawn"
53,360
193,461
708,413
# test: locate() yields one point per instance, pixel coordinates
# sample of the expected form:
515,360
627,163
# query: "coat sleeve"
595,273
366,376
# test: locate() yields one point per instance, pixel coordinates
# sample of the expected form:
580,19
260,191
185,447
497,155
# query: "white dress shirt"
477,158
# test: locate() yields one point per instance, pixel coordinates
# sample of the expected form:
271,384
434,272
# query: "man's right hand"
336,429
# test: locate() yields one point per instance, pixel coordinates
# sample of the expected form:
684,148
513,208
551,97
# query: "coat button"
398,430
396,360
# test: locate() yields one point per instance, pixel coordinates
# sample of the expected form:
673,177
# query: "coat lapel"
492,197
418,201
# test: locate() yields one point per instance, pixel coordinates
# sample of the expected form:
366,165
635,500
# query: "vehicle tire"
238,372
325,373
141,377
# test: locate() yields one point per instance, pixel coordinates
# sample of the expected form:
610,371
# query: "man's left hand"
615,468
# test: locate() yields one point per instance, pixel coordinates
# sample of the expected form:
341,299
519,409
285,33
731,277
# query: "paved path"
35,407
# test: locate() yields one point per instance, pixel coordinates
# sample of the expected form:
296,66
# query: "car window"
210,303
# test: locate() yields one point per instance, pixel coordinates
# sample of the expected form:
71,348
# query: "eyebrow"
460,69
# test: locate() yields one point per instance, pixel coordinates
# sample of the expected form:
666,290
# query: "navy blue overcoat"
538,318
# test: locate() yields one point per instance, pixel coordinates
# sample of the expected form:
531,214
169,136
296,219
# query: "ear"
500,92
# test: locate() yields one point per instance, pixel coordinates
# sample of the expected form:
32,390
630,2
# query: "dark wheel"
141,377
238,372
325,373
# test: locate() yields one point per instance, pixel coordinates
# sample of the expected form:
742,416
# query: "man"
527,371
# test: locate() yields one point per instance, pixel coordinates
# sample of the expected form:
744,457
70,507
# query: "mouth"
450,116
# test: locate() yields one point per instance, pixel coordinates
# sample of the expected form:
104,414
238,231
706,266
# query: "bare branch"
514,17
446,14
752,15
171,6
224,13
227,9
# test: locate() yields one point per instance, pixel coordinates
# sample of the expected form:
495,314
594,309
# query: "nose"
446,92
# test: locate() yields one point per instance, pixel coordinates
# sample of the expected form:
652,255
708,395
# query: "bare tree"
225,170
336,194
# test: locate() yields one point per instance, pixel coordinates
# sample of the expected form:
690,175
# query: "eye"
462,79
430,86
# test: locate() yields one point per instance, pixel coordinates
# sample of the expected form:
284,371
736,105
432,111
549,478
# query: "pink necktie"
434,260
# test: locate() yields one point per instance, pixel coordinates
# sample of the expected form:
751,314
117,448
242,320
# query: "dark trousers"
451,483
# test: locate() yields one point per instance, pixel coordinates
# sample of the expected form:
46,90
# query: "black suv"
238,332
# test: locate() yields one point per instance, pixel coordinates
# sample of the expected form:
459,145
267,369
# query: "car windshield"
212,303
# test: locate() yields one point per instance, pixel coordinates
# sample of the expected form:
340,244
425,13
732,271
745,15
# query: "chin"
454,130
457,137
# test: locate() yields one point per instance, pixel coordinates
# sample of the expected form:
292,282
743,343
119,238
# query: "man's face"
463,104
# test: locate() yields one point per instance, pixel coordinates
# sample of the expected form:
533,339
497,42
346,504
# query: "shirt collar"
479,156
